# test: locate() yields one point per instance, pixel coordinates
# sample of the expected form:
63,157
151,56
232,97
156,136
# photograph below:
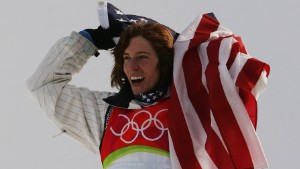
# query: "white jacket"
78,112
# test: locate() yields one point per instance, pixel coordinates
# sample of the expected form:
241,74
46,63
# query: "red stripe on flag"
234,51
250,105
250,74
199,98
224,116
246,81
180,134
202,33
242,47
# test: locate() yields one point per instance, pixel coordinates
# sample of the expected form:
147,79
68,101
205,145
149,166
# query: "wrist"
87,35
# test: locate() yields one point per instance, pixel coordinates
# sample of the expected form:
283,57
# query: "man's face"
140,65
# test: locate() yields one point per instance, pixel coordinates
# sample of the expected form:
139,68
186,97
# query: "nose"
132,64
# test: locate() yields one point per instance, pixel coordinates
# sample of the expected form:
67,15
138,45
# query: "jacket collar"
125,98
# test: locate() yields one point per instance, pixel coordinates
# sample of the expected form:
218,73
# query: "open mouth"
136,79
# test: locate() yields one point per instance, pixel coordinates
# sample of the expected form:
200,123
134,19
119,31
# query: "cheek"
155,75
125,68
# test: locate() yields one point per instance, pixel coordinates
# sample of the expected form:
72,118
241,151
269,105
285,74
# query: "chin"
136,92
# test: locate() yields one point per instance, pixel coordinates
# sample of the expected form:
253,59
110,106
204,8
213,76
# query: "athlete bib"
130,132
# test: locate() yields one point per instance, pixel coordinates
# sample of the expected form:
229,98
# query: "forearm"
66,57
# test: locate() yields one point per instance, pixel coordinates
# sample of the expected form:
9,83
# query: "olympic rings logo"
131,124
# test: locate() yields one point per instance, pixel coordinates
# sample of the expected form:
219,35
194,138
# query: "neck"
152,96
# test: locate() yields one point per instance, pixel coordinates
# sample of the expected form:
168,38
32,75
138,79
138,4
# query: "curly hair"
162,42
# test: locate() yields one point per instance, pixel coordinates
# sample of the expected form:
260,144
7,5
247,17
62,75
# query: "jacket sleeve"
77,112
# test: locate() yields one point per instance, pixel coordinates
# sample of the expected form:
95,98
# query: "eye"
142,56
126,58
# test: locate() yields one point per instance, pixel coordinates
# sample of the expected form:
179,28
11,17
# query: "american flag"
213,110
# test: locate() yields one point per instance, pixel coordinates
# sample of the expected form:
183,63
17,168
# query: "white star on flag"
133,20
144,20
118,12
121,20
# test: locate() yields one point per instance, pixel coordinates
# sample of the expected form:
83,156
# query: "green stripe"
132,149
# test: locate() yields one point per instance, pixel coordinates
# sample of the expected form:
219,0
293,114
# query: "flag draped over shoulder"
213,110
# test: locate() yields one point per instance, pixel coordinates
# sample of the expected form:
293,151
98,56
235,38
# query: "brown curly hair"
162,42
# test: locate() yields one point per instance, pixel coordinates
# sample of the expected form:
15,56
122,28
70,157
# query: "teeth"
136,78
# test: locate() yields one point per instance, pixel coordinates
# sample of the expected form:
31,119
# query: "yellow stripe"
129,150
